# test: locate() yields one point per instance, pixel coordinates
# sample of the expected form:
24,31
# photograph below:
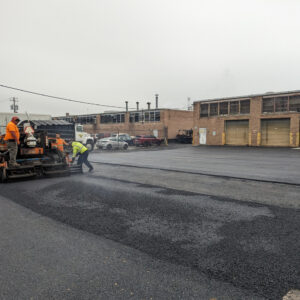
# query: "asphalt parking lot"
270,164
153,224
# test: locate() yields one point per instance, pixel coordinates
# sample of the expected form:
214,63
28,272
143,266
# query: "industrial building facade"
270,119
163,123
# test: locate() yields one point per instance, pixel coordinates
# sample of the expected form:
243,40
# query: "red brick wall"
176,120
170,122
217,124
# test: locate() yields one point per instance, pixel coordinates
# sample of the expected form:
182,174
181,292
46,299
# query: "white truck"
83,137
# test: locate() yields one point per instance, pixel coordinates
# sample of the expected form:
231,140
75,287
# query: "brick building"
270,119
163,123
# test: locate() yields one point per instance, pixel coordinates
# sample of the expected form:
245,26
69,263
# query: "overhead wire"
60,98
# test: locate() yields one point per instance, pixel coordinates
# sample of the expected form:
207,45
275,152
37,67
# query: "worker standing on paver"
60,143
12,138
83,152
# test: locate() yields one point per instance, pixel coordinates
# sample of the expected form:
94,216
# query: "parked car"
124,137
146,140
111,143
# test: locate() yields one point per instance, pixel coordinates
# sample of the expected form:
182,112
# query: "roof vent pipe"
148,103
137,106
126,103
156,101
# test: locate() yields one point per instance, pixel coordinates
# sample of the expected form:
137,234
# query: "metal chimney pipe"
148,103
156,101
137,106
126,103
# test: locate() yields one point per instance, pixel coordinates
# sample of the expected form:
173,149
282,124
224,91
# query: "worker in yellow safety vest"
83,152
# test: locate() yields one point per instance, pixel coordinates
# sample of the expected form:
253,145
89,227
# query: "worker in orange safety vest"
12,138
59,143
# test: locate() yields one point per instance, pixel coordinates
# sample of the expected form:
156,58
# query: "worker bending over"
12,138
83,152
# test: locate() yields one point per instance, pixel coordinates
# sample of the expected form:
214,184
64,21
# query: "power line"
60,98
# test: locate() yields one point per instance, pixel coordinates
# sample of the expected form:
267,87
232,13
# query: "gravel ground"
250,246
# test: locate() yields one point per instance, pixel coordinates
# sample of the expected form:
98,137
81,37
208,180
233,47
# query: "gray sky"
109,51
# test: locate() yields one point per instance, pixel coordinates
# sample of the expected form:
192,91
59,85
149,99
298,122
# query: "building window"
136,117
224,108
234,107
275,104
112,118
157,116
83,119
268,105
145,116
281,104
152,116
245,107
204,110
295,103
213,109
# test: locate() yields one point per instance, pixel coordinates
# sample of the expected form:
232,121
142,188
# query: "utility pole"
14,106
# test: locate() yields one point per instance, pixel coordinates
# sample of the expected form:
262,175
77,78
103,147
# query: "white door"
202,136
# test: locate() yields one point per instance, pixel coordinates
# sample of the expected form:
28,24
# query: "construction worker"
12,138
83,152
60,143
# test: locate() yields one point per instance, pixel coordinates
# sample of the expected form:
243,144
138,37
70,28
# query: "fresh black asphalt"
269,164
248,246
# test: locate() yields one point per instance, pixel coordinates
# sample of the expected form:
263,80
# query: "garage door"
237,132
275,132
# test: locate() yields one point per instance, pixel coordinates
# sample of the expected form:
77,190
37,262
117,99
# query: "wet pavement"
250,247
134,233
270,164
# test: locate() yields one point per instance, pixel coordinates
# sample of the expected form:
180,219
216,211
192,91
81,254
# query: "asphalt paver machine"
37,155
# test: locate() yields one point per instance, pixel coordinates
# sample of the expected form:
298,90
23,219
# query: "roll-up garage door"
237,132
275,132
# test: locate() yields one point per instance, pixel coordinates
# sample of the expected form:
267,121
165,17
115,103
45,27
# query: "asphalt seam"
197,173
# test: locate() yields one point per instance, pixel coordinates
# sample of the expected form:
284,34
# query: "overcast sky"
109,51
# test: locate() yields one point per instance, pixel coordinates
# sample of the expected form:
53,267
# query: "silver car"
111,143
